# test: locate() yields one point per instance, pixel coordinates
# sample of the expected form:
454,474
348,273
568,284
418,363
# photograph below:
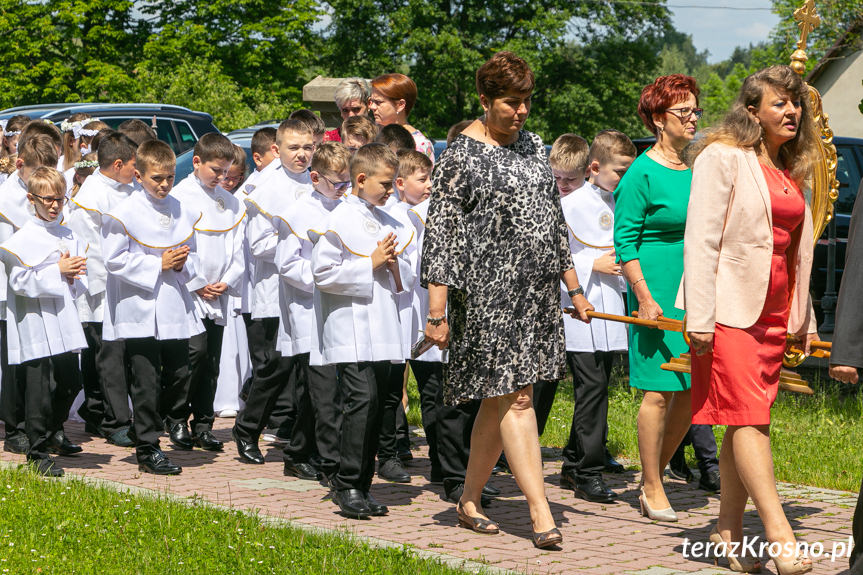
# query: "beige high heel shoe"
740,563
794,566
666,514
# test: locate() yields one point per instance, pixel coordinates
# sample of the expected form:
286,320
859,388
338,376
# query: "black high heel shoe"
547,538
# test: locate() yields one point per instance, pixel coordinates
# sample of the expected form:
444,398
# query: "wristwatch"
435,320
574,292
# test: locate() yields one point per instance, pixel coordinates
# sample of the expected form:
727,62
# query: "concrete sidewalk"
598,538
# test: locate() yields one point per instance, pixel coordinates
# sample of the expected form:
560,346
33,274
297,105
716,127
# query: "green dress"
649,221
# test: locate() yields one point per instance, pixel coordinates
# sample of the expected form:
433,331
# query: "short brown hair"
262,140
372,158
137,130
610,143
154,154
38,150
569,153
502,73
411,161
214,146
360,127
295,126
397,87
43,128
316,125
114,146
663,93
239,158
455,130
46,179
332,157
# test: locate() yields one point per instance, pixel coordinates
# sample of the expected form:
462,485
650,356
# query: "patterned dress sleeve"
631,202
445,243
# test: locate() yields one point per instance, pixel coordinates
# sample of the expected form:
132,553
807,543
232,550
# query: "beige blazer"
728,245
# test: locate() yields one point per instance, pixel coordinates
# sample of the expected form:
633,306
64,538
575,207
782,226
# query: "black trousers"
205,353
318,424
271,374
543,398
156,365
391,392
703,444
584,454
359,385
12,390
49,382
429,376
856,560
455,424
106,381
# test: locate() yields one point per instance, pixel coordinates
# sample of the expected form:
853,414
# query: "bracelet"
435,320
638,281
574,292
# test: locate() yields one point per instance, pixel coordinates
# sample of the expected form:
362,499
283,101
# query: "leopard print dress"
495,235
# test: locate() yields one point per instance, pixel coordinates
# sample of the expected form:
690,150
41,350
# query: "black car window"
187,138
848,174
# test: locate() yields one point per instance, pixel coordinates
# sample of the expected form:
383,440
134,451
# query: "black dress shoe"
180,436
248,450
60,445
353,504
502,465
455,493
490,490
710,481
120,438
157,463
46,466
93,429
612,465
590,489
377,508
405,455
393,470
207,441
17,443
302,470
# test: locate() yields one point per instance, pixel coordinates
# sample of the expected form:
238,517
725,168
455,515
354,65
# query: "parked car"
242,138
177,126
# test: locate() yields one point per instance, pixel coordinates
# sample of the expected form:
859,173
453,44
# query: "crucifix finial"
807,20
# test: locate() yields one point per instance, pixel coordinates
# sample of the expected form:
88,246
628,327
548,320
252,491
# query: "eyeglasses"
683,114
355,110
48,201
338,186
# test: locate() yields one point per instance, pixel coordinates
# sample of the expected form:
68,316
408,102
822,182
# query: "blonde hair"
610,143
71,149
569,153
331,157
411,161
740,129
46,179
154,154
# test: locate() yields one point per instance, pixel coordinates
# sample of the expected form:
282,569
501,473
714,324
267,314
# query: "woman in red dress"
747,258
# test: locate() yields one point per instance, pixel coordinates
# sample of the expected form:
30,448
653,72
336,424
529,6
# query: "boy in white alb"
219,238
106,389
362,258
148,244
15,211
589,215
46,265
318,409
285,183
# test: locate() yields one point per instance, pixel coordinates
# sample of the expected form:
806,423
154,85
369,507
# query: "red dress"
738,382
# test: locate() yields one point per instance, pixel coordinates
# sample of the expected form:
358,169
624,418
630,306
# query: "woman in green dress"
649,221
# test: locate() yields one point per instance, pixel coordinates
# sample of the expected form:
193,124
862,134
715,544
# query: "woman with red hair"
393,98
649,221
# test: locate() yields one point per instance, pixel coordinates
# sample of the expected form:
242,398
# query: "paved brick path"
597,538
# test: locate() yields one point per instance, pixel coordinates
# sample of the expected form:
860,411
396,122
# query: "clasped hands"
72,268
175,259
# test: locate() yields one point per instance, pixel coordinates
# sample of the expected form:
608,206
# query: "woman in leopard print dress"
494,253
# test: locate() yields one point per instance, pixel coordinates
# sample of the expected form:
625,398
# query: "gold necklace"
666,158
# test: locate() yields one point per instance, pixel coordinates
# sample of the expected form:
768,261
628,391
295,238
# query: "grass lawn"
815,438
69,527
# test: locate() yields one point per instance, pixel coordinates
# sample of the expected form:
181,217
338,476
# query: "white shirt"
589,215
399,210
275,189
141,299
43,320
355,306
15,211
293,260
420,295
219,236
98,195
